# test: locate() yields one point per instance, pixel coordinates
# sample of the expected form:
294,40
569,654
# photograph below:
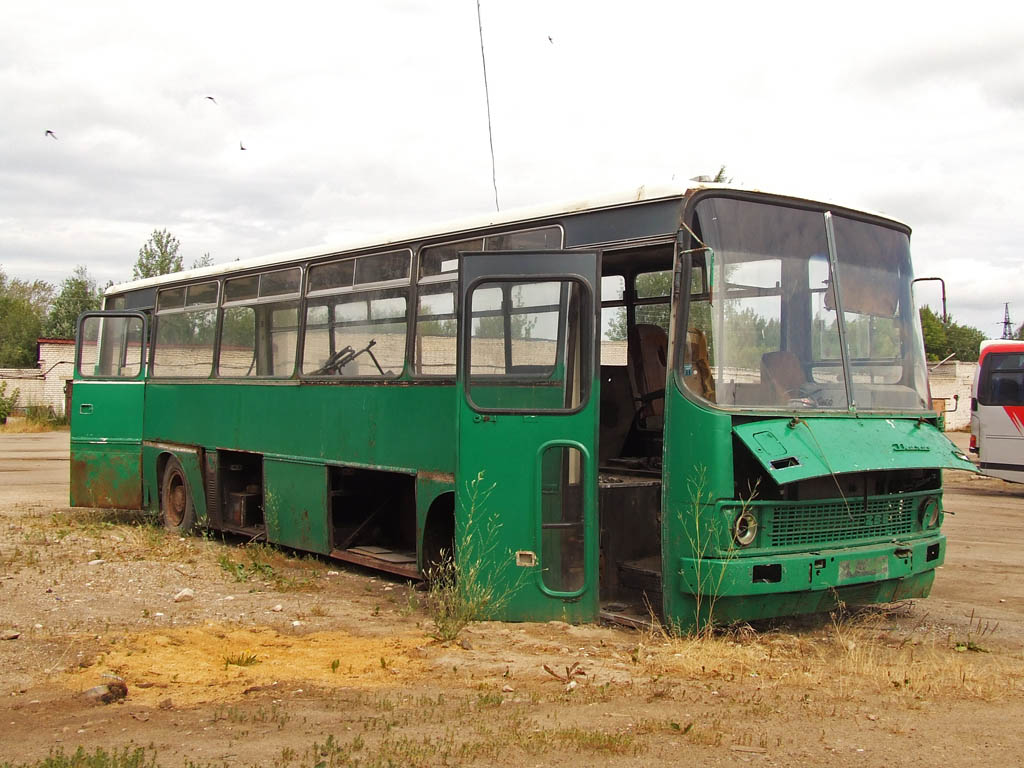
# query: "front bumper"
811,571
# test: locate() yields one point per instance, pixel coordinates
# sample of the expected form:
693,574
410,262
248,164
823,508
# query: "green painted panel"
107,411
398,426
801,448
106,444
295,505
504,460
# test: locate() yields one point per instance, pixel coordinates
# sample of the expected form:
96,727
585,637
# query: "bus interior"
635,309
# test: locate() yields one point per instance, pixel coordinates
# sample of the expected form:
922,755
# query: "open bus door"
106,410
526,470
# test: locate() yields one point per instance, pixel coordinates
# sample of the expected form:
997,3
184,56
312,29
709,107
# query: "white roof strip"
645,193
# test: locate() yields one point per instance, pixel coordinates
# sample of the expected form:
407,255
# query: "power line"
487,97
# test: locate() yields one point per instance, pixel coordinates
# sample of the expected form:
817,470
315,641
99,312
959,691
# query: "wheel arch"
190,459
438,531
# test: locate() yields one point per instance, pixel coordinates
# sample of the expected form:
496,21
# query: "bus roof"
992,346
642,194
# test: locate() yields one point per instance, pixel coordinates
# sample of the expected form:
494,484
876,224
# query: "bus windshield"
769,330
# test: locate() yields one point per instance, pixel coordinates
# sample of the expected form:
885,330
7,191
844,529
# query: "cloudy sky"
363,118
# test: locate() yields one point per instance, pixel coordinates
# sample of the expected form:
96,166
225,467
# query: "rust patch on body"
108,481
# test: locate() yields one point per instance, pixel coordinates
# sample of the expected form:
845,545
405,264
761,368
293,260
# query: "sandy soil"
283,660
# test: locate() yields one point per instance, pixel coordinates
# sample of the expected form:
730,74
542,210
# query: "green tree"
522,323
964,342
23,306
934,334
942,340
648,284
78,293
206,260
7,402
159,256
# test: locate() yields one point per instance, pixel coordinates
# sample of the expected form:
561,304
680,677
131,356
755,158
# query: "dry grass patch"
22,426
849,658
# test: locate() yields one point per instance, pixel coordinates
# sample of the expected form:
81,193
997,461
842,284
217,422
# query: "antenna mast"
487,97
1007,325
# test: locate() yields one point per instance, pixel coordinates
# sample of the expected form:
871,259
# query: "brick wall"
43,385
954,378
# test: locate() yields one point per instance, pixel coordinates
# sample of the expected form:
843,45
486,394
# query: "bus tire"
177,512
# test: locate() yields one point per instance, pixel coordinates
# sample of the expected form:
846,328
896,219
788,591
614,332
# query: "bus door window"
110,347
523,346
562,528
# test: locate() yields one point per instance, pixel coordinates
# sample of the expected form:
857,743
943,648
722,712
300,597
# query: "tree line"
33,309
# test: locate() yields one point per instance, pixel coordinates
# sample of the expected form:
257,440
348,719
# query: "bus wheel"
176,509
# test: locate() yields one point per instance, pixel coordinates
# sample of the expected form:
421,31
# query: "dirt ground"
292,661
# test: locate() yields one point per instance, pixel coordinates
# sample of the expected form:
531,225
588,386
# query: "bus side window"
186,324
1006,388
436,330
259,337
356,334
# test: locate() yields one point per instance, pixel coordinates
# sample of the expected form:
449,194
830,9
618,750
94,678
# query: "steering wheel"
331,363
807,394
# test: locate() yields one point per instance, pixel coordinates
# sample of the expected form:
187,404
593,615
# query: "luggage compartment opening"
240,491
373,519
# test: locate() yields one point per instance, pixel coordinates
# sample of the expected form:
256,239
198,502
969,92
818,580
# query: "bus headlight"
744,528
930,510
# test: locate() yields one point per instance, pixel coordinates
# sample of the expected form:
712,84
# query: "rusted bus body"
606,403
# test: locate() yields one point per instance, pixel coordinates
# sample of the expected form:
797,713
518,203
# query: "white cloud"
370,117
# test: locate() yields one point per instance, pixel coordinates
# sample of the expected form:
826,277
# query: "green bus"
700,402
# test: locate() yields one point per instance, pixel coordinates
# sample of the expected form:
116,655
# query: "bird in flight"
51,134
241,145
212,99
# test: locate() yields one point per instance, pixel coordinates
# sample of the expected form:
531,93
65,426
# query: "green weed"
474,584
241,659
125,758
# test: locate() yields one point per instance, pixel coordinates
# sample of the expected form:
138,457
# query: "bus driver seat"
697,370
650,343
782,372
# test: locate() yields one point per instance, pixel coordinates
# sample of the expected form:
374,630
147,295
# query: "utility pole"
1007,325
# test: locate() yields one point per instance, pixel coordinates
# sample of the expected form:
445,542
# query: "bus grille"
835,521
